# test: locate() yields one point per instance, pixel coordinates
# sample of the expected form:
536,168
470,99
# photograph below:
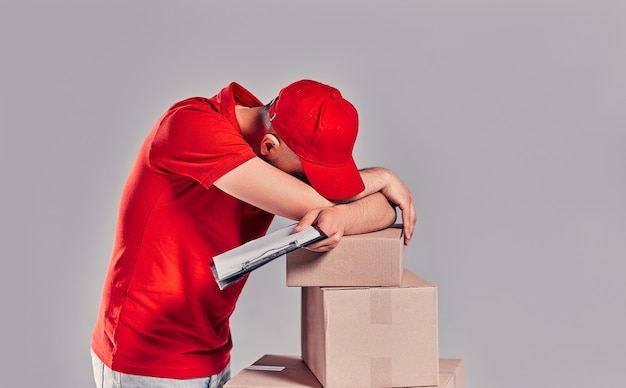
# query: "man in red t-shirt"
210,176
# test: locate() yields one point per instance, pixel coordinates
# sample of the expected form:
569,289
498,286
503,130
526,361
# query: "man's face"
285,160
289,162
278,154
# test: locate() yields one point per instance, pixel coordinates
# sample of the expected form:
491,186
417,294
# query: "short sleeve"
197,143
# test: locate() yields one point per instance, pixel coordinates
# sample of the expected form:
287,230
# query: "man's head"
320,127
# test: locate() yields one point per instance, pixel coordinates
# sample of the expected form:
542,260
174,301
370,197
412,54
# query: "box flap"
275,371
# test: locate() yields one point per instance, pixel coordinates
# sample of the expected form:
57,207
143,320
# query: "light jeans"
107,378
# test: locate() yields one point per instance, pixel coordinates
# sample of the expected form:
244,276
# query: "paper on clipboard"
231,266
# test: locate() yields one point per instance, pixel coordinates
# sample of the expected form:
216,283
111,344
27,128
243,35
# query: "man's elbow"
390,215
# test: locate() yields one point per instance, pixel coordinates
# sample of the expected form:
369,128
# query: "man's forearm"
368,214
374,179
266,187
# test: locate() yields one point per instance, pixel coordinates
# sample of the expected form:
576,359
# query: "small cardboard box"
275,371
362,260
451,373
372,336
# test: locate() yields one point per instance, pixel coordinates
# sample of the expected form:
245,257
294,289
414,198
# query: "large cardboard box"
275,371
363,260
451,373
372,336
272,371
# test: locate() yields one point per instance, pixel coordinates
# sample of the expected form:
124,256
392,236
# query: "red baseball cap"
321,127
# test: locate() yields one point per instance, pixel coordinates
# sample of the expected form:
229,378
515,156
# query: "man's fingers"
408,230
307,220
329,220
320,248
325,245
409,219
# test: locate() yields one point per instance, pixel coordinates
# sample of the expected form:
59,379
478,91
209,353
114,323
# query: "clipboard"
231,266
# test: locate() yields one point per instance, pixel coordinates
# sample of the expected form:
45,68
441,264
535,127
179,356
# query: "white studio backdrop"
505,118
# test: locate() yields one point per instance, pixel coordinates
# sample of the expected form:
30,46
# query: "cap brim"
334,183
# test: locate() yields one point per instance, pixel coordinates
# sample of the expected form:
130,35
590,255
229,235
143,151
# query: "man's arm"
363,215
379,179
262,185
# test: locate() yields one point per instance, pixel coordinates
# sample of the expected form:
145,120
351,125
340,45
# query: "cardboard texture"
275,371
372,336
451,373
290,371
363,260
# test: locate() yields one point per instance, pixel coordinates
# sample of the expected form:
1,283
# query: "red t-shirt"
162,313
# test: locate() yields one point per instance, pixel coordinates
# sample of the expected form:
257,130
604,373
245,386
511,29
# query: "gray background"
505,118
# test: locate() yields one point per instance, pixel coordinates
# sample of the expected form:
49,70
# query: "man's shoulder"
202,104
194,112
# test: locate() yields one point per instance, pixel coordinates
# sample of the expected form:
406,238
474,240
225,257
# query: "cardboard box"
271,371
275,371
451,373
372,336
363,260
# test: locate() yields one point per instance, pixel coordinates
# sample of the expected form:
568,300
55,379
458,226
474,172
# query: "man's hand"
396,192
391,186
330,220
366,214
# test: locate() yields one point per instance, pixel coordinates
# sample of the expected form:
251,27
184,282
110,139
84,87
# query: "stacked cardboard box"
364,260
372,336
278,371
366,320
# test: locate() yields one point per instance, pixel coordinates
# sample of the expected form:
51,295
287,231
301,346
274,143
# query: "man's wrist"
375,179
